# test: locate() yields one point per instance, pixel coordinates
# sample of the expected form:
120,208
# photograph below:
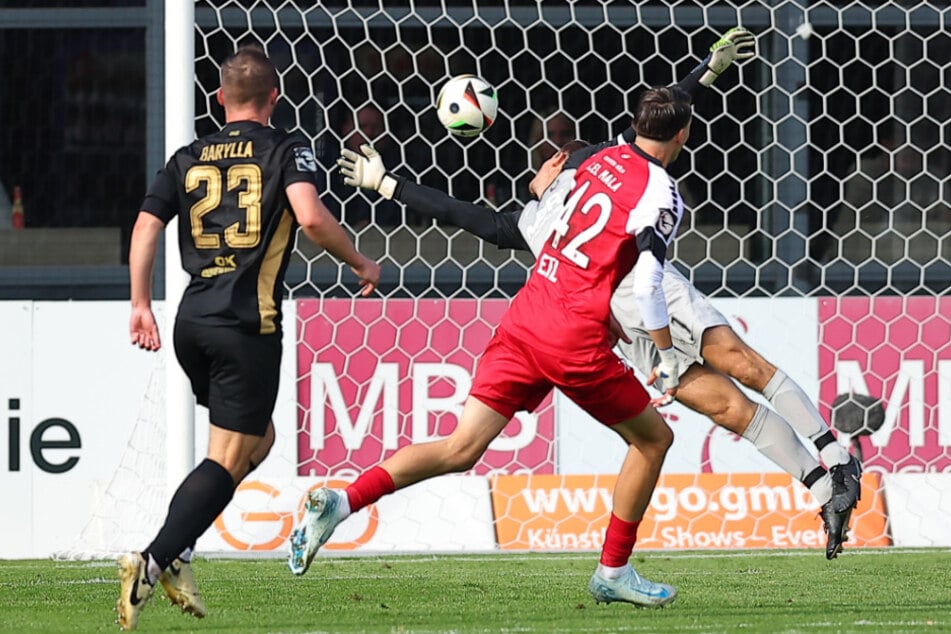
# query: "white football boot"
631,588
320,520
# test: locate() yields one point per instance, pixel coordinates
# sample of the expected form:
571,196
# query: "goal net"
817,182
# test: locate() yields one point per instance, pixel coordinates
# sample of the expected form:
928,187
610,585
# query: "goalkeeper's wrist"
667,355
709,75
387,187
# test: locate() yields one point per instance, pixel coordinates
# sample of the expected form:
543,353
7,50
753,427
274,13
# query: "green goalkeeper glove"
366,171
736,44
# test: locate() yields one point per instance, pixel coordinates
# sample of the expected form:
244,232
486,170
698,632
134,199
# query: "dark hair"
662,112
248,76
574,145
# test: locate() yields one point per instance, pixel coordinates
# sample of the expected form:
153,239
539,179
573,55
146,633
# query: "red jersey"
618,194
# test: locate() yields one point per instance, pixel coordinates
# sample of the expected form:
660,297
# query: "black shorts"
235,374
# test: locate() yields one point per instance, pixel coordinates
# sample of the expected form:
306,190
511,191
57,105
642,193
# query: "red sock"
618,542
369,488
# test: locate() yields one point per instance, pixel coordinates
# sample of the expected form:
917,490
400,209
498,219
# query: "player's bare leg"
478,426
725,351
199,499
237,452
648,438
325,508
715,395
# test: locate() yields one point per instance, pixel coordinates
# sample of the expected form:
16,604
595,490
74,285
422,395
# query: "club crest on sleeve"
666,222
305,159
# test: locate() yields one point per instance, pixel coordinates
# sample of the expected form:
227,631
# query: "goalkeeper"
709,351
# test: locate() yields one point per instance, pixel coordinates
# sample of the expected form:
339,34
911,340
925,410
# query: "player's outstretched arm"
735,45
321,228
143,331
366,170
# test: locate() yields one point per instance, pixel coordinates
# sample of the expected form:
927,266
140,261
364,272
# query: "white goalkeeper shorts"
691,314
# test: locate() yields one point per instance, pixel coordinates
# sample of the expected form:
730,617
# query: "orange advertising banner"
706,510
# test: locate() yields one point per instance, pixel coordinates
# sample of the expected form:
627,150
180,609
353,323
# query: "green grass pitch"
891,590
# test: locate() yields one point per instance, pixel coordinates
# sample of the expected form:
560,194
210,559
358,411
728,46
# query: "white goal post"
179,131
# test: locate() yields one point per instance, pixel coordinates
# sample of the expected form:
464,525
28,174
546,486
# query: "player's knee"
266,443
236,465
750,369
658,442
666,438
733,414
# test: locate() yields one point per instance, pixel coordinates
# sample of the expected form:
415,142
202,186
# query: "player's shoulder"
281,140
578,157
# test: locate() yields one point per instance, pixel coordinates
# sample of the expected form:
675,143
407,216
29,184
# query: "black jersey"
236,227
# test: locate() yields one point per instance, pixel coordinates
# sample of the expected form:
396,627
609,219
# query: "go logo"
270,530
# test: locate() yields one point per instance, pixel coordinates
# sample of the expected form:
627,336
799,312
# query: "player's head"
663,116
248,79
549,133
551,168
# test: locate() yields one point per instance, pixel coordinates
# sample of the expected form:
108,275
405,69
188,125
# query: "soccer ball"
467,105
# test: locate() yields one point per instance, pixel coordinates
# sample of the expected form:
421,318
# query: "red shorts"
513,376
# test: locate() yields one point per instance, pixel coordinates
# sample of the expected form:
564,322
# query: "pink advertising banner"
375,375
896,350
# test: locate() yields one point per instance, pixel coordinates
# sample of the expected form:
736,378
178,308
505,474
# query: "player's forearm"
476,219
661,338
691,83
142,250
327,233
319,225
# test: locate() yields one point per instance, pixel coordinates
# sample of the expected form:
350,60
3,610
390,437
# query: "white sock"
776,440
822,489
343,506
833,454
186,555
152,570
791,402
609,572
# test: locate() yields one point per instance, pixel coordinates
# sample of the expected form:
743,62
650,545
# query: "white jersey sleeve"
660,208
539,216
648,286
654,221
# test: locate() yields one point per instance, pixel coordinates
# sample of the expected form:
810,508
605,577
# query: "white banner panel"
919,508
586,447
16,404
79,384
450,513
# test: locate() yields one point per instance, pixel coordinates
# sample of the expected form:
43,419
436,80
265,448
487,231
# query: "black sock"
200,498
